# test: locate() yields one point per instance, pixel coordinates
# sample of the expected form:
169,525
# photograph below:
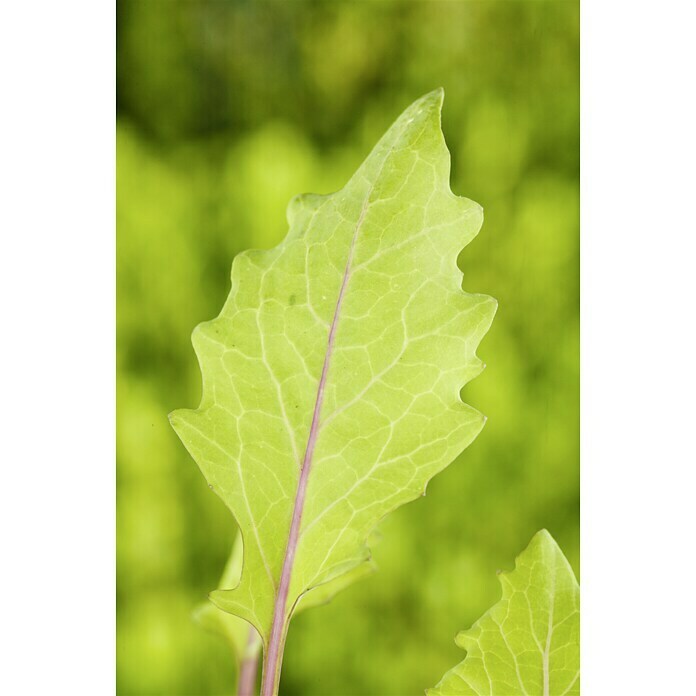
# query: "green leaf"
529,642
332,376
243,638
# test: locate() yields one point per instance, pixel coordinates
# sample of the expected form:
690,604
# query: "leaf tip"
543,538
178,418
462,639
174,418
545,534
301,206
489,308
217,597
430,102
436,96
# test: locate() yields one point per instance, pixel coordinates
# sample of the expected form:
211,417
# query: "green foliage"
243,640
335,368
529,642
225,111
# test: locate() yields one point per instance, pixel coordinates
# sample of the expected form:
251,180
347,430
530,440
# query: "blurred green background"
225,111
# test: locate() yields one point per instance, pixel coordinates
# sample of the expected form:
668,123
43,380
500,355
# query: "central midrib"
276,638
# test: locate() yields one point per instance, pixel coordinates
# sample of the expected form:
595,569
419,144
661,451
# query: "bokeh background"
225,111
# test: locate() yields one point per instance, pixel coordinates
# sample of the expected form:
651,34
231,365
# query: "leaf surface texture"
332,376
529,642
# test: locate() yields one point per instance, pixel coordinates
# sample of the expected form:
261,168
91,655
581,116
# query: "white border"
57,511
57,294
638,350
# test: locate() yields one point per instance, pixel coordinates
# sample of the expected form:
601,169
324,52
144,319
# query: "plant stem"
272,664
247,676
246,684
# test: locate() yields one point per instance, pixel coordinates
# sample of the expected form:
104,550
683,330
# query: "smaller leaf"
529,642
241,636
243,639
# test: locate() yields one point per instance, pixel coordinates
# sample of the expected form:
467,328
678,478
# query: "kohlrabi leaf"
241,636
529,642
332,376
